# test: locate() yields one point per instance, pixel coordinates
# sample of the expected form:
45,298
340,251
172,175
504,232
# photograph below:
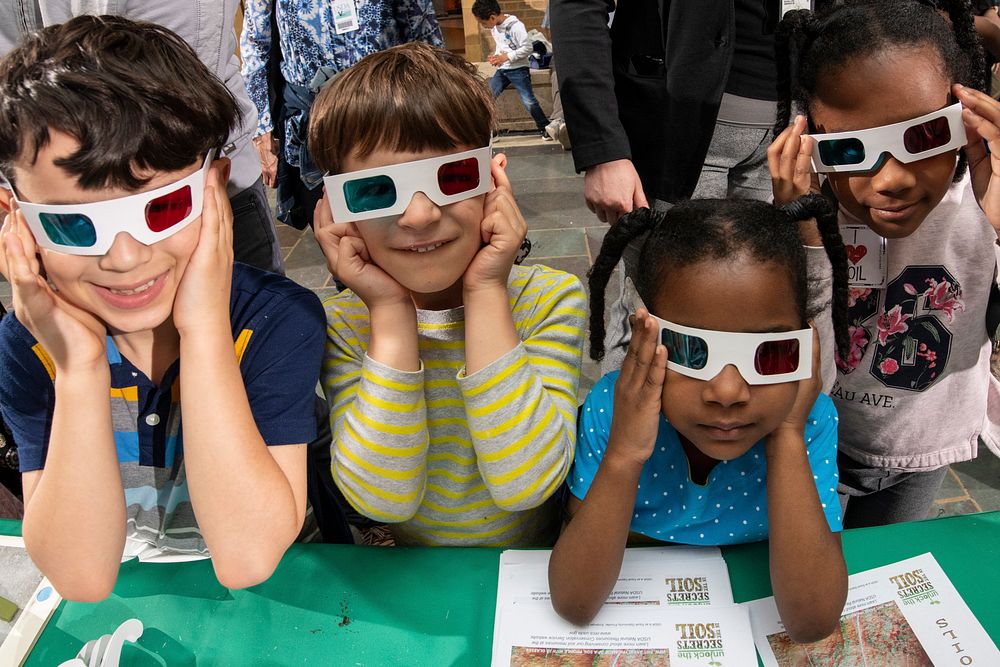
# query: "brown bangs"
410,98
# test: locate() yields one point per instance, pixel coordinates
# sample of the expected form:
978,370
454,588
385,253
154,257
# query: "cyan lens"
69,229
369,194
688,351
835,152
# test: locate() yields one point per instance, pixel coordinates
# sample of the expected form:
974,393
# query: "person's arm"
982,123
74,507
378,413
255,50
378,417
249,499
520,398
808,573
587,89
988,30
789,160
521,408
587,558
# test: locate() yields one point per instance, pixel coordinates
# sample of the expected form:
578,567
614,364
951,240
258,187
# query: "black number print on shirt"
911,340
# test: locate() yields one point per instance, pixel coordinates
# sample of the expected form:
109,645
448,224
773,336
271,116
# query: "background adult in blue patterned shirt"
312,51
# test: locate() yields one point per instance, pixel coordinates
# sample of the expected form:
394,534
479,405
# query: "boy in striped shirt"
451,373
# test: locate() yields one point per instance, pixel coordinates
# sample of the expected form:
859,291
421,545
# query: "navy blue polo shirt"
278,333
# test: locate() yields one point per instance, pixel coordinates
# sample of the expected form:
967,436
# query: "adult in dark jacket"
642,103
641,98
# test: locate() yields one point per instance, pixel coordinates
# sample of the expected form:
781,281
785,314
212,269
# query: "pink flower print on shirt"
891,323
855,294
888,366
856,349
945,297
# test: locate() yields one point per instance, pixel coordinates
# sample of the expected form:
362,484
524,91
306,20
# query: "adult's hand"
267,149
612,189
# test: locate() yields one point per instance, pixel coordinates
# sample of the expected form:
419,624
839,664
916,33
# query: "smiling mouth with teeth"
426,248
136,290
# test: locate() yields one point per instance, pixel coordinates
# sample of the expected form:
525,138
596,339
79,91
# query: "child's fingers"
322,217
985,130
787,159
803,165
979,102
657,368
790,151
352,255
775,151
500,204
642,347
499,173
25,282
223,210
209,237
23,232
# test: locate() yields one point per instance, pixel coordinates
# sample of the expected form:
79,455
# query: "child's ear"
225,167
6,199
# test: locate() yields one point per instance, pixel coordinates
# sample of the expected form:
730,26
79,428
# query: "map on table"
907,614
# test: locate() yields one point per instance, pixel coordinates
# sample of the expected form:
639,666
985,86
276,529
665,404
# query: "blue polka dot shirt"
731,508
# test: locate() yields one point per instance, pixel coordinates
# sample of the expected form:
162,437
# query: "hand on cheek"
349,261
789,161
638,390
203,293
808,392
982,124
73,338
503,230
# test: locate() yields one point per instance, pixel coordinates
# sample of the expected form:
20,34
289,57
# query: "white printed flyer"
907,614
658,575
623,636
663,577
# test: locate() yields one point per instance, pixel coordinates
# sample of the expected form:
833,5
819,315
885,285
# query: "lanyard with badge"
345,16
789,5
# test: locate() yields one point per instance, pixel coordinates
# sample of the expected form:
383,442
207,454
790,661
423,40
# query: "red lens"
167,210
459,176
927,135
776,357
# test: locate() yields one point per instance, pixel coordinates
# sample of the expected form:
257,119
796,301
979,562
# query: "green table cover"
353,605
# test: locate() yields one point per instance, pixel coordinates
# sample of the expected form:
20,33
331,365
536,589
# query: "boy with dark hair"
511,58
451,372
118,246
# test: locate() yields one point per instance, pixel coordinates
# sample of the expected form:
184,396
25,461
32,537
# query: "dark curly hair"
134,95
716,229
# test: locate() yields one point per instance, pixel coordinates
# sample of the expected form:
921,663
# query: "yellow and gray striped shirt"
456,459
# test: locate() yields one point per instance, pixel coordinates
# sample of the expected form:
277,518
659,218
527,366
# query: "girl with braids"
714,431
899,82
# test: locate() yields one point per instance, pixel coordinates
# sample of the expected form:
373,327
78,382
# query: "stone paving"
567,236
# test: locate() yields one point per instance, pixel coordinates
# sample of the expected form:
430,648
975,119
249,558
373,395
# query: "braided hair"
811,44
716,229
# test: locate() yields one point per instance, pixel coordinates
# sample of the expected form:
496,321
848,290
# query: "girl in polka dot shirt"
733,442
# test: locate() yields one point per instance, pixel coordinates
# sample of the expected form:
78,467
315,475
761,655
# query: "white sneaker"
562,136
551,132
